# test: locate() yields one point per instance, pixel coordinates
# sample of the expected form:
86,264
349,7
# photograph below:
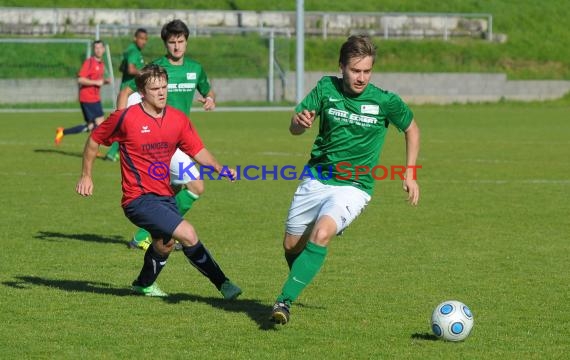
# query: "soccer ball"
452,320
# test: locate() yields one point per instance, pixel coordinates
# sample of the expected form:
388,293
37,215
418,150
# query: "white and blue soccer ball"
452,320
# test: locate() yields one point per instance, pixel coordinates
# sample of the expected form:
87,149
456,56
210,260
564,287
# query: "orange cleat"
58,135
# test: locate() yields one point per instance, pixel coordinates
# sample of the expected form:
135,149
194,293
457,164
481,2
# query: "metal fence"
43,21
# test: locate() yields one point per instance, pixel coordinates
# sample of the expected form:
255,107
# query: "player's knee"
322,235
163,249
196,187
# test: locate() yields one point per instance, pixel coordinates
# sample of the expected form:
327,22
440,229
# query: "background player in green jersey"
185,76
131,65
354,118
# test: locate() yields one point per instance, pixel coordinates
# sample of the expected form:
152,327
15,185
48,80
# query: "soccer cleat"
229,290
58,135
152,290
143,244
111,157
280,313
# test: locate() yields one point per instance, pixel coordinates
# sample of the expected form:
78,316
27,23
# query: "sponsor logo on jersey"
145,129
190,76
345,116
370,109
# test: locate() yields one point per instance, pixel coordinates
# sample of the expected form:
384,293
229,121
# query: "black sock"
153,264
201,259
290,257
75,130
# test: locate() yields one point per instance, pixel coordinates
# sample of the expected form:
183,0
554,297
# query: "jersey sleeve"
190,141
313,99
398,113
203,85
84,72
110,130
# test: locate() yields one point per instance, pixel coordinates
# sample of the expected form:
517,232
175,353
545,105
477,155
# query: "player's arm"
132,69
301,121
83,81
205,158
410,184
84,186
123,97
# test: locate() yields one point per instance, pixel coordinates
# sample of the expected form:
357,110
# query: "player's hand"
208,103
229,173
84,186
413,189
305,118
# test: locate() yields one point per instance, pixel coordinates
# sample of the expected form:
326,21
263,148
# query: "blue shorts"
91,111
156,214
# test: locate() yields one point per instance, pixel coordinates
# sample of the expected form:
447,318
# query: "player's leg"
60,132
160,216
202,260
338,207
184,173
184,176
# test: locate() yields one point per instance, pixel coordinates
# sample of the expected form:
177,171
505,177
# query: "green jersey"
183,81
132,55
351,131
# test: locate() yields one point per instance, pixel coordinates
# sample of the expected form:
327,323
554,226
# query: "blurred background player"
185,76
90,78
354,118
130,66
147,196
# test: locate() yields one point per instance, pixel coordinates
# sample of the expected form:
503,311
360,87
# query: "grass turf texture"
491,231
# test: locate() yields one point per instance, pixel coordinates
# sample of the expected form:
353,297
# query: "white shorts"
134,98
183,169
314,199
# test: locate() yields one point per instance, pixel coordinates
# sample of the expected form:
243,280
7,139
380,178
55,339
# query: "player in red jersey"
90,78
149,134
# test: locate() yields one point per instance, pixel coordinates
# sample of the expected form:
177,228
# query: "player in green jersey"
131,65
185,76
354,118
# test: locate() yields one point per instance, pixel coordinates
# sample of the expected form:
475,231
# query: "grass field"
491,230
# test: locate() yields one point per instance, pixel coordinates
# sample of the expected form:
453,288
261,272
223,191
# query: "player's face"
356,74
155,93
98,50
141,40
176,46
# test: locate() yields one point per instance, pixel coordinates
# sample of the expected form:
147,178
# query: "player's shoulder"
190,63
328,80
162,61
172,111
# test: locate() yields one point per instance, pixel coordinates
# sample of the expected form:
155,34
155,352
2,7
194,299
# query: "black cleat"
280,313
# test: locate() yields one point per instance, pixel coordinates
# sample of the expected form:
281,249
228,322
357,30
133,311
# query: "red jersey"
147,145
91,69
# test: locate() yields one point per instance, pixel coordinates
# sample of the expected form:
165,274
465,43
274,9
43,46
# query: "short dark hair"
357,46
147,73
98,42
175,27
139,31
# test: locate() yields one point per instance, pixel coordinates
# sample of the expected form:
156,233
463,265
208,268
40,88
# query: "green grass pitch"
491,230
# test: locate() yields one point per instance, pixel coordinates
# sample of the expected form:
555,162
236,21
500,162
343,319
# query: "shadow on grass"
59,152
23,282
424,336
256,311
54,236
